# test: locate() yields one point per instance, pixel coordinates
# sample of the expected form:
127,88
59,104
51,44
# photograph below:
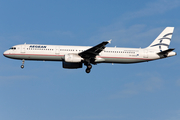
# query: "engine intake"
71,65
74,58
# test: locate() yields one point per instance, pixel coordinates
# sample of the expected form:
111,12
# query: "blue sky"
46,91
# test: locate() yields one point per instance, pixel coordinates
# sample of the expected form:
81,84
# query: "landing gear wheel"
89,66
88,70
22,66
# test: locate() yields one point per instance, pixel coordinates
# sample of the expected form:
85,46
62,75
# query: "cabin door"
145,54
57,51
23,48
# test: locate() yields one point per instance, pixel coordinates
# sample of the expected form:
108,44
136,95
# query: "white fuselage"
74,57
57,53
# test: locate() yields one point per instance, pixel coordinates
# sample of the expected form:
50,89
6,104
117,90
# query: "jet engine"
72,58
72,65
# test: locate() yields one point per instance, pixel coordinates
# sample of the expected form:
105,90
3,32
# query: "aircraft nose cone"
5,53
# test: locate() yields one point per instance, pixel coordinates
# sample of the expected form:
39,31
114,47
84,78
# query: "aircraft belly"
123,60
37,57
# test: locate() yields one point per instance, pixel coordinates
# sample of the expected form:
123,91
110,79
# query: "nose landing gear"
22,66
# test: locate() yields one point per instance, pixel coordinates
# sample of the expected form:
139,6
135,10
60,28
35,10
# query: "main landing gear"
88,69
22,66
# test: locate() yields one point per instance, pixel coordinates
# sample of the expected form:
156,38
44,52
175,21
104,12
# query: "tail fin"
163,40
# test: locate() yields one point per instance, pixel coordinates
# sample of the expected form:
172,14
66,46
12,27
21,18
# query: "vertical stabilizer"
162,42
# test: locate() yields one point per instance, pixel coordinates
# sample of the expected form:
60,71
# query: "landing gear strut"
88,69
22,66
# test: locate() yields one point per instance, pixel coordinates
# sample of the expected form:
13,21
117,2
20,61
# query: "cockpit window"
13,48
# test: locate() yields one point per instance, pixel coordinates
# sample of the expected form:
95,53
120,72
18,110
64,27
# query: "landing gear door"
23,48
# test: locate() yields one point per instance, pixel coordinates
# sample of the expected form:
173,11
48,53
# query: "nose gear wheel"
22,66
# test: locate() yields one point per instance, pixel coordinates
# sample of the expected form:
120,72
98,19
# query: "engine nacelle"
72,58
71,65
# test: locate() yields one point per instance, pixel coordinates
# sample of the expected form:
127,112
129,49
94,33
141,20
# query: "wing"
92,52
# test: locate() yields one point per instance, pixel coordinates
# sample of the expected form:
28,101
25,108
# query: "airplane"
74,57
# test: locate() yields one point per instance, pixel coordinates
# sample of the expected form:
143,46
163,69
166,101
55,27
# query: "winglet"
109,41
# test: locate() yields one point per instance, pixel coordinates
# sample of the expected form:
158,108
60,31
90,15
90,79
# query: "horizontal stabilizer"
165,53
